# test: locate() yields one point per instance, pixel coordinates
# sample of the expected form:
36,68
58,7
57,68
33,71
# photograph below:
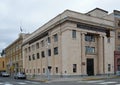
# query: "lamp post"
47,44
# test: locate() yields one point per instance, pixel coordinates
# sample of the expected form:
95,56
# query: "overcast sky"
31,14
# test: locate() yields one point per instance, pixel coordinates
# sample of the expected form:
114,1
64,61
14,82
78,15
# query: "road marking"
107,83
91,81
8,84
27,81
21,83
35,82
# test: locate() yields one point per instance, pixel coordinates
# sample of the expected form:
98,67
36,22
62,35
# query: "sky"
32,14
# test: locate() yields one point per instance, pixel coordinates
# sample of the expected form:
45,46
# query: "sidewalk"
87,78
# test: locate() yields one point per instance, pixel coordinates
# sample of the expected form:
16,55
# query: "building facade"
117,40
2,64
71,44
14,59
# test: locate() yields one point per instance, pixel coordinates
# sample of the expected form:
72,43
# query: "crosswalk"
100,82
20,83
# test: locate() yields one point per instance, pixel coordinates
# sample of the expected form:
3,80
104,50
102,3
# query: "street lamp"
48,67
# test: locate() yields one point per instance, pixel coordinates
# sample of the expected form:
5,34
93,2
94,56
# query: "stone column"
83,58
100,55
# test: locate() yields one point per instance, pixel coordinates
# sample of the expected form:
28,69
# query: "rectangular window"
33,47
38,70
3,64
38,55
49,40
90,38
109,67
118,47
89,50
42,54
73,33
42,43
49,52
43,70
25,50
29,58
29,49
55,38
74,68
37,45
33,56
108,39
56,69
56,51
34,71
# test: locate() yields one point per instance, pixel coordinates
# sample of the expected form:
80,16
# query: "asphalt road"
11,81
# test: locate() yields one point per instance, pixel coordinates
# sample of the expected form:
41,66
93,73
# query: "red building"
117,61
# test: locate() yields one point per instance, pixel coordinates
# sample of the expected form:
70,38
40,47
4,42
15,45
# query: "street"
11,81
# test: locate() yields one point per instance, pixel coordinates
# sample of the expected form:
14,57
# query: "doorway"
90,67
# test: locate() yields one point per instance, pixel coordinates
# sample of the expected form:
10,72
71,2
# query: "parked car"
20,75
5,74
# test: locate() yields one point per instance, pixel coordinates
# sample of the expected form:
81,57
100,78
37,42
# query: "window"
119,23
42,43
109,67
49,41
38,70
3,64
33,56
56,69
29,49
73,33
43,54
34,70
25,50
55,50
43,70
89,49
90,38
49,52
108,39
38,56
29,58
33,47
26,70
74,68
118,67
37,45
55,38
118,35
118,61
118,47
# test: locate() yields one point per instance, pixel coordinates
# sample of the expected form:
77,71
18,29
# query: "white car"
19,75
5,74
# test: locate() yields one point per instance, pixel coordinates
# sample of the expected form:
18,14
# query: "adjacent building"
13,55
2,64
116,14
72,44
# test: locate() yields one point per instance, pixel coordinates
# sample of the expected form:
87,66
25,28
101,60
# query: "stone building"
116,15
13,55
72,44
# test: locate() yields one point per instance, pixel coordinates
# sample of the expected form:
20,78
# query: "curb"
89,79
37,80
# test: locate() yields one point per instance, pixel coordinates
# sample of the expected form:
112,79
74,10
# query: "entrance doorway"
90,67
